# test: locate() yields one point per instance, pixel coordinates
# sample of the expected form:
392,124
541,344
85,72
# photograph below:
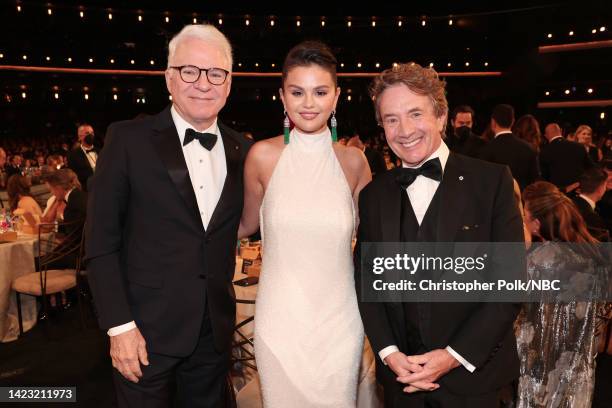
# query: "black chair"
54,248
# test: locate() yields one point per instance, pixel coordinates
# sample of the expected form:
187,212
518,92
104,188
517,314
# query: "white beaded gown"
308,331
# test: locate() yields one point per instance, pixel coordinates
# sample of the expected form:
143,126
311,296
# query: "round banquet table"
16,259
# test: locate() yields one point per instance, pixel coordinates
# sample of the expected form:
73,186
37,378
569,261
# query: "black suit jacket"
70,232
515,153
470,146
77,162
595,223
150,259
473,192
563,162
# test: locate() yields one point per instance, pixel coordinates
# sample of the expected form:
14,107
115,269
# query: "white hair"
204,32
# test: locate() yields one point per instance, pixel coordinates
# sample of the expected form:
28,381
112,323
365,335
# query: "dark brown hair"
503,115
527,128
17,186
311,53
559,218
64,178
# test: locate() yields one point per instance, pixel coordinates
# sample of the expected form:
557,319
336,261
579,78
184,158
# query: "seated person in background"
21,202
70,205
592,189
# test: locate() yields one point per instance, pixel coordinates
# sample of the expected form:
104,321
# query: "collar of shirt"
182,125
555,138
68,195
86,150
503,132
441,153
588,200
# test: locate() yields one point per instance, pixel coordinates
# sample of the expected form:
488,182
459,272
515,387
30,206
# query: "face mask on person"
462,132
89,139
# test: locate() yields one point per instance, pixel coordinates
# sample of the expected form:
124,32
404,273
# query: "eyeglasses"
191,74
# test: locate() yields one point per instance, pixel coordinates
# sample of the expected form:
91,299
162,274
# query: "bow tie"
431,169
207,140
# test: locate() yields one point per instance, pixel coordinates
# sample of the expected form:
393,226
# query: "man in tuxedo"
461,139
162,226
82,159
435,354
562,162
505,148
592,189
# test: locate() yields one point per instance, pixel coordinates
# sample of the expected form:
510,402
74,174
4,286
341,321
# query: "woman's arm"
253,191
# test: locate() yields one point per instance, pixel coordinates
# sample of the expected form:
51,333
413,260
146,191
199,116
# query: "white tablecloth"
249,396
16,259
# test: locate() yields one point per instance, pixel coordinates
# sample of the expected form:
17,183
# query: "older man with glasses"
162,224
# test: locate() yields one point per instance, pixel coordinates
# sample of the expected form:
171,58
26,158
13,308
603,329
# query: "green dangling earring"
286,128
334,127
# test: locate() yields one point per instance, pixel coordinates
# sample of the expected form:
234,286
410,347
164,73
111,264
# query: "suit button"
202,276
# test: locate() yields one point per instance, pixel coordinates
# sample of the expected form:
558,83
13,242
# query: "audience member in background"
376,161
461,139
562,161
604,206
82,159
584,134
506,148
70,206
557,339
527,128
606,147
22,203
592,189
3,175
14,166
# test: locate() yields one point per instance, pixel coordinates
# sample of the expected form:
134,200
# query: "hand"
398,362
434,365
128,351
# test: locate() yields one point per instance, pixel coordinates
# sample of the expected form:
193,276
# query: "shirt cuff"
384,353
113,331
460,359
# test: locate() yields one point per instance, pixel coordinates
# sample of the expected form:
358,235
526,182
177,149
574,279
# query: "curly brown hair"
420,80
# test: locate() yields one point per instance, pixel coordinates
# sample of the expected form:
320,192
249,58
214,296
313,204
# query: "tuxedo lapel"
228,198
453,197
168,146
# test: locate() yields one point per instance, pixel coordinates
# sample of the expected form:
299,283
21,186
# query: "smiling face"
412,129
200,102
585,136
309,96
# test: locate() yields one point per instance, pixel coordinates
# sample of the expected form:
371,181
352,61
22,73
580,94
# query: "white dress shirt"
207,171
592,203
420,193
92,156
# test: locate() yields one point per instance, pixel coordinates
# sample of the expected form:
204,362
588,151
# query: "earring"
286,128
334,127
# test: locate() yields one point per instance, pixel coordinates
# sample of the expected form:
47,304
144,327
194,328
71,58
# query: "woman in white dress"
302,189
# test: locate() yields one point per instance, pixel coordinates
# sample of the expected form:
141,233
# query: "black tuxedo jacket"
77,162
473,192
562,162
595,223
515,153
150,259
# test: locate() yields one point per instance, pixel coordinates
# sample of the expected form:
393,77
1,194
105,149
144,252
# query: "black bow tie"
431,169
207,140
